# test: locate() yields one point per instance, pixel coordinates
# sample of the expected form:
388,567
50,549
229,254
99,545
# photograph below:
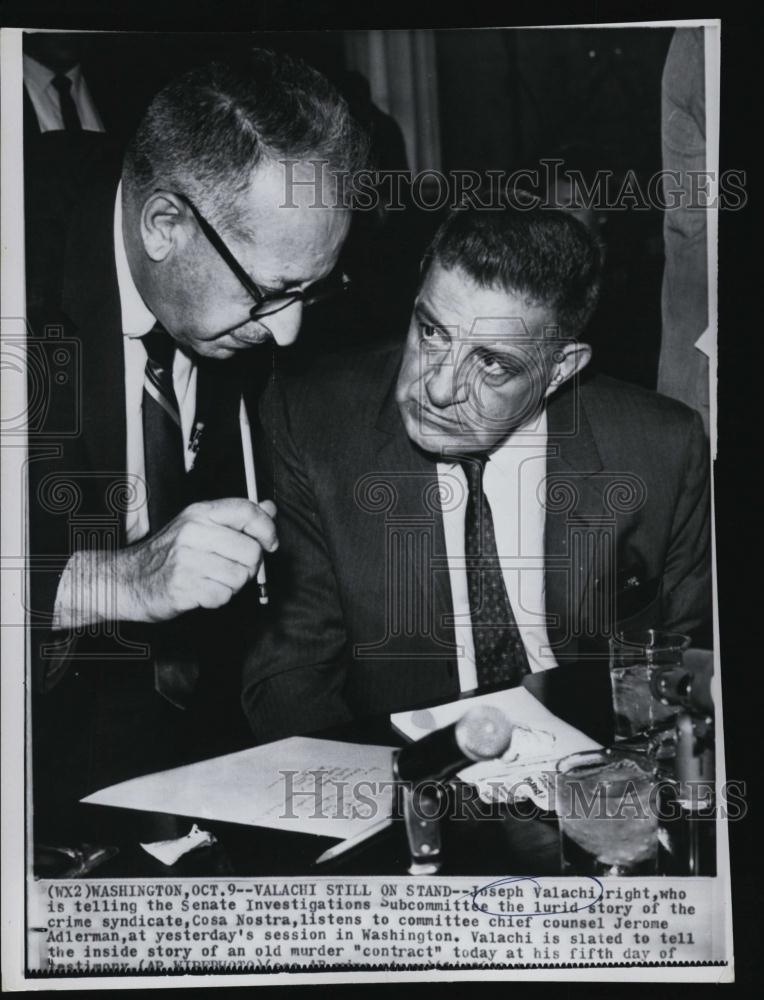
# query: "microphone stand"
694,770
695,777
420,805
422,767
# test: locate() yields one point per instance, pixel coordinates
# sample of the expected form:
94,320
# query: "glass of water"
634,658
607,813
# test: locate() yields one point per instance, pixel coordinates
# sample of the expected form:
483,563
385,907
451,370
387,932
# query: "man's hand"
200,559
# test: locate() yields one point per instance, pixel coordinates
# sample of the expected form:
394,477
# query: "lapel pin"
196,437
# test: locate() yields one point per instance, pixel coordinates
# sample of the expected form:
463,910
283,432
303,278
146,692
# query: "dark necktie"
175,669
500,655
69,112
162,435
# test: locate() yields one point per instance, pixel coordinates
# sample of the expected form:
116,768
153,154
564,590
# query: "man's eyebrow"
278,288
277,285
423,312
282,286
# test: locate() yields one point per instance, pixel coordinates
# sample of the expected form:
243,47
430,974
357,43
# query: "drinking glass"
634,657
607,814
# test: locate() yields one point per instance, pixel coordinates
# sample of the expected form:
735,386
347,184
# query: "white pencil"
346,845
249,474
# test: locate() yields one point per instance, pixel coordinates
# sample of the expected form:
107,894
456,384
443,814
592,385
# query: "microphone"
679,686
483,733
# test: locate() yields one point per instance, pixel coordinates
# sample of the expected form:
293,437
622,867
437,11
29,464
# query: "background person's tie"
500,655
69,112
176,671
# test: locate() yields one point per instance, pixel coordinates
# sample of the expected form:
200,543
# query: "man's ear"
162,218
568,360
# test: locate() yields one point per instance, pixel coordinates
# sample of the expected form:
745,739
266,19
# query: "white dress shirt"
38,80
513,485
137,320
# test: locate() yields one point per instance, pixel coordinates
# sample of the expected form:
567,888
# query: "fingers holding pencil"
251,481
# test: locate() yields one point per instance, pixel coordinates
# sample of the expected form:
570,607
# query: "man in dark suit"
141,533
68,147
471,509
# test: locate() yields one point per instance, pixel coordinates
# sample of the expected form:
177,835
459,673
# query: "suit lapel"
31,124
91,301
577,541
416,510
576,537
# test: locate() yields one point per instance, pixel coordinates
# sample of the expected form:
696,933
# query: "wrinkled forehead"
290,187
290,233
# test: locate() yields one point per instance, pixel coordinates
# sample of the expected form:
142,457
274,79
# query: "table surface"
475,845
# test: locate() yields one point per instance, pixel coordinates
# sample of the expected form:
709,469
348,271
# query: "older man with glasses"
140,519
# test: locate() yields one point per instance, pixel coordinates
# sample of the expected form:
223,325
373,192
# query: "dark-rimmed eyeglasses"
268,303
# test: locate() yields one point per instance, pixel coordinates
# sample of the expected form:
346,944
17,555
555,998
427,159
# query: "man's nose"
285,325
442,383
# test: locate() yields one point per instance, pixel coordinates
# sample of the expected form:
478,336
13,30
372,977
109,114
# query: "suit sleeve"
55,477
294,669
687,584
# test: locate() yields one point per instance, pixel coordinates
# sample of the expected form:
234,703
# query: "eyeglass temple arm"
218,242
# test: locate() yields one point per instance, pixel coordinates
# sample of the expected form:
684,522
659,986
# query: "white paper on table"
262,786
705,342
169,852
539,740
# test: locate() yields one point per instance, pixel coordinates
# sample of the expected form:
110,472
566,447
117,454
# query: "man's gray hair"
206,131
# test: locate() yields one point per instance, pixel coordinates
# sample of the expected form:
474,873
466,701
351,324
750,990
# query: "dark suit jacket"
95,712
80,488
362,585
60,167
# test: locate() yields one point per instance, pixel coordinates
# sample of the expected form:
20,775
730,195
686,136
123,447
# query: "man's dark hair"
543,255
206,131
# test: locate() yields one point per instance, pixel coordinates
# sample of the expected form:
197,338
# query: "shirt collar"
530,437
42,76
137,318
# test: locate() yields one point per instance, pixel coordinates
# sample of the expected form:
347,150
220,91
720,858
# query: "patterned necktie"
176,670
69,113
499,651
162,434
